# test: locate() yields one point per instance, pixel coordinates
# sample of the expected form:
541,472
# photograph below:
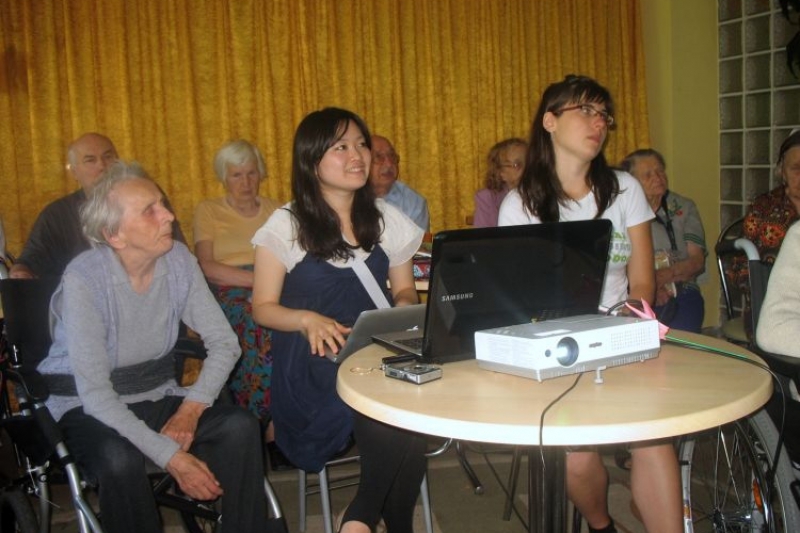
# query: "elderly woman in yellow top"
223,228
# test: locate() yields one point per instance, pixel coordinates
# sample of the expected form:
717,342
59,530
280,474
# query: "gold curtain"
171,81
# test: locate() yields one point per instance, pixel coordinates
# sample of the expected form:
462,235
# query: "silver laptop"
377,321
485,278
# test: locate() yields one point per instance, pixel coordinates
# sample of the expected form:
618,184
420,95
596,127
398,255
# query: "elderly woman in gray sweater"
110,369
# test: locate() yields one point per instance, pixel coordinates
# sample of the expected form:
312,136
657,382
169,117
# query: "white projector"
564,346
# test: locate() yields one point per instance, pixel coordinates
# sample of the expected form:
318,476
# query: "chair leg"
87,521
325,500
426,504
577,520
302,483
45,499
272,500
473,477
513,478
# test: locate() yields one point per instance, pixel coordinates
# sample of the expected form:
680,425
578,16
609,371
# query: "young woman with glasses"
567,178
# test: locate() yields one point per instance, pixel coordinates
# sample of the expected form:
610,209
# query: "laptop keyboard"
414,344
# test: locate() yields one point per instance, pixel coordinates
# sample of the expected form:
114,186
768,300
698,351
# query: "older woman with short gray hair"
223,228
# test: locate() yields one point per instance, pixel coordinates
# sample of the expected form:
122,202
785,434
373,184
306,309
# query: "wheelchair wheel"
16,513
724,480
203,519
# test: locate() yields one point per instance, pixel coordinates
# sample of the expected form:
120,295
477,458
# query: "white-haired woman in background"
223,228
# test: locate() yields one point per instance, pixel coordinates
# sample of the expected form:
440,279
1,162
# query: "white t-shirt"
400,238
629,209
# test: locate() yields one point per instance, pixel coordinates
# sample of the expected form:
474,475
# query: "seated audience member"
779,322
678,242
306,290
506,162
223,228
383,176
56,237
567,178
770,215
111,371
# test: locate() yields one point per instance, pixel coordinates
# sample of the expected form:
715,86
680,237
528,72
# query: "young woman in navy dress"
306,291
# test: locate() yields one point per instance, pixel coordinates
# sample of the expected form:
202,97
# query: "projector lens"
567,351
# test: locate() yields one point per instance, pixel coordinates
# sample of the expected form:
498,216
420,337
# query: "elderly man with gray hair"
383,178
110,368
56,236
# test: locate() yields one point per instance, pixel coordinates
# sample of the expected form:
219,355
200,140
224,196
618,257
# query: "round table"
681,391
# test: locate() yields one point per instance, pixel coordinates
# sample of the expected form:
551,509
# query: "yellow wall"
680,40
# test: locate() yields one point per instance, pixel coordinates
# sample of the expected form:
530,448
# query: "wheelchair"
732,479
34,437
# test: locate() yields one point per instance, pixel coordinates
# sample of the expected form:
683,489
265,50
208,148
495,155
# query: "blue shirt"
411,203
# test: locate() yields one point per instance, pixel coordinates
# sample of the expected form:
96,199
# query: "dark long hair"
318,228
540,188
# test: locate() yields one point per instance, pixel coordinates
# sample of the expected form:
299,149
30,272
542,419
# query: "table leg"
547,495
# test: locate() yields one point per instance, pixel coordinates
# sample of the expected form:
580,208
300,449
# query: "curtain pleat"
170,82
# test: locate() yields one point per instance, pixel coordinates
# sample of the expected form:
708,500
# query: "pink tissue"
649,313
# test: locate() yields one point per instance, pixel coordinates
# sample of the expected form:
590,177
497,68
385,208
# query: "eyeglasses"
589,111
515,165
380,157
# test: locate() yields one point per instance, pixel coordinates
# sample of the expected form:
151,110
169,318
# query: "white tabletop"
681,391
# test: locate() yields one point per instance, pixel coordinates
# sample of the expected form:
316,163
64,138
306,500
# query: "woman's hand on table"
323,332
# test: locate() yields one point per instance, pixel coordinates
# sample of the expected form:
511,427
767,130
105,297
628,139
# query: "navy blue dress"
311,422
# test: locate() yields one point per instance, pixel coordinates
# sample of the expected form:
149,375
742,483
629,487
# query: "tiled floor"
456,508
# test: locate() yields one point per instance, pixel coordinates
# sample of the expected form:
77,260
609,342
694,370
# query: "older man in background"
383,175
57,236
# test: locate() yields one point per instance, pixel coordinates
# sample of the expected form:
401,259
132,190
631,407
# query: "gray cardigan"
88,312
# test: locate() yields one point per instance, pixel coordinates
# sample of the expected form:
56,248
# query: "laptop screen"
490,277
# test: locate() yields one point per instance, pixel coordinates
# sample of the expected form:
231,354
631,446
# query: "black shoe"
622,458
608,529
277,461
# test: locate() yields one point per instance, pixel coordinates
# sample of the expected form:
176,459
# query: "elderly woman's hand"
322,331
662,296
182,425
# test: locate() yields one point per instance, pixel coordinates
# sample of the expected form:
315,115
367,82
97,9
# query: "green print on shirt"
620,249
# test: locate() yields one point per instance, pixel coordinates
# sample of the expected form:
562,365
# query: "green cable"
705,348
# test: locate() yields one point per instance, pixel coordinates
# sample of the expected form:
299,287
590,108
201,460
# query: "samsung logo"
456,297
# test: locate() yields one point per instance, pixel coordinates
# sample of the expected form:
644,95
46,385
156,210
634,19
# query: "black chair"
40,449
787,368
733,327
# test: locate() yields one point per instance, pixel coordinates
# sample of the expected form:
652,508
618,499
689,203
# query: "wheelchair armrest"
32,382
32,427
740,246
187,348
781,364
